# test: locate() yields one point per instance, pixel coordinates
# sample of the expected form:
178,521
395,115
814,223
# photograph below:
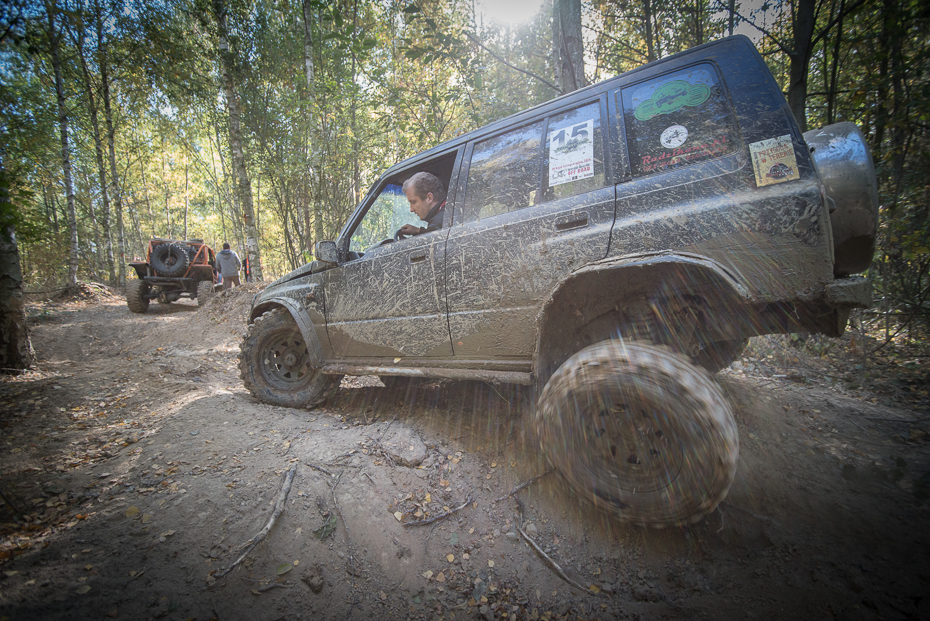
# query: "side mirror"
326,251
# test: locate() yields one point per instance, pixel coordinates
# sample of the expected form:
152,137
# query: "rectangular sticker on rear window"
773,160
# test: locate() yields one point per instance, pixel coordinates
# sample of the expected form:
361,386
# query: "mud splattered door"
535,209
388,299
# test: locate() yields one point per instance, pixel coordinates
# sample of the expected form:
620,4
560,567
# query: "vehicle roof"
518,118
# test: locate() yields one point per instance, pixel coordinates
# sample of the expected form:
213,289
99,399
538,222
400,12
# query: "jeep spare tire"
640,431
170,259
276,366
843,160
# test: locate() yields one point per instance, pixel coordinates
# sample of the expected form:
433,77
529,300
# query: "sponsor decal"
684,155
674,136
671,97
773,160
571,153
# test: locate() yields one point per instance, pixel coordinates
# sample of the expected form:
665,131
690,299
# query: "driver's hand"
409,229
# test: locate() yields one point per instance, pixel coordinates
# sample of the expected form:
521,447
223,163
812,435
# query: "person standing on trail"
229,265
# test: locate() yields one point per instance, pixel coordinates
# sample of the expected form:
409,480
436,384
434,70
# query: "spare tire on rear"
170,259
844,162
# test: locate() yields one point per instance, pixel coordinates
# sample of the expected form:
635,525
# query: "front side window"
574,153
389,212
504,173
678,119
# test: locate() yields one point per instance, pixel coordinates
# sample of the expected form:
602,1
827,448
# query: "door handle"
417,258
574,221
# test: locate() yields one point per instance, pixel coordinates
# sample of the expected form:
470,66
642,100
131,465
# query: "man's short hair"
423,183
225,245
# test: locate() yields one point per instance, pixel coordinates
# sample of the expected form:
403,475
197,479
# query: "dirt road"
135,466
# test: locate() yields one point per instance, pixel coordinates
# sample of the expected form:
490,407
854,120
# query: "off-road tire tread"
204,292
134,300
159,257
314,390
698,415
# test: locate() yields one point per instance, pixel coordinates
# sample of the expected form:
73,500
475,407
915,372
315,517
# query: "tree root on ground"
525,484
278,510
438,517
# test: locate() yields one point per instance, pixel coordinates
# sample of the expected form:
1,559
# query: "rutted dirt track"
134,467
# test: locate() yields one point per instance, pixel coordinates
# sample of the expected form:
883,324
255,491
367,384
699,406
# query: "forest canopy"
263,122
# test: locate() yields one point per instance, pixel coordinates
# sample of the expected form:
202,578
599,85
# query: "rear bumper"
848,293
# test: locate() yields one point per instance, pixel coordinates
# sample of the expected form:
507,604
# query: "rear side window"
574,153
678,119
504,173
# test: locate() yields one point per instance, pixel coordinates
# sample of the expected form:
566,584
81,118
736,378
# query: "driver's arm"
409,229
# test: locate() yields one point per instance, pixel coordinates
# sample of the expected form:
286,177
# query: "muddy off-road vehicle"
610,248
174,270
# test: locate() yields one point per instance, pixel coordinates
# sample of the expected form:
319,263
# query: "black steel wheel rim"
285,359
630,442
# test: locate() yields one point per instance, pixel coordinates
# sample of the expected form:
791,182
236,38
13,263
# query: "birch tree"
244,186
54,34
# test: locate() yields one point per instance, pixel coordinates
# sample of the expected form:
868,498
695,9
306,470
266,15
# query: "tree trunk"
800,55
834,67
900,123
698,22
648,31
186,197
15,348
227,196
104,220
356,143
235,142
51,12
96,259
568,44
51,207
137,225
148,204
164,176
314,133
115,188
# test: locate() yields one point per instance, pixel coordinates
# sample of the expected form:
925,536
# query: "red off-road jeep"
174,270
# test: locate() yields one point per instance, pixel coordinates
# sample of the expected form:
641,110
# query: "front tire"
135,295
204,292
639,430
275,365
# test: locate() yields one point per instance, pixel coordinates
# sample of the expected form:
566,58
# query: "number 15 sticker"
571,153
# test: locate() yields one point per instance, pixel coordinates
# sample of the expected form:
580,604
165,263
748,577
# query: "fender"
662,258
306,327
598,287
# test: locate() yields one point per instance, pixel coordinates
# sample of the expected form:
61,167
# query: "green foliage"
17,210
389,80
